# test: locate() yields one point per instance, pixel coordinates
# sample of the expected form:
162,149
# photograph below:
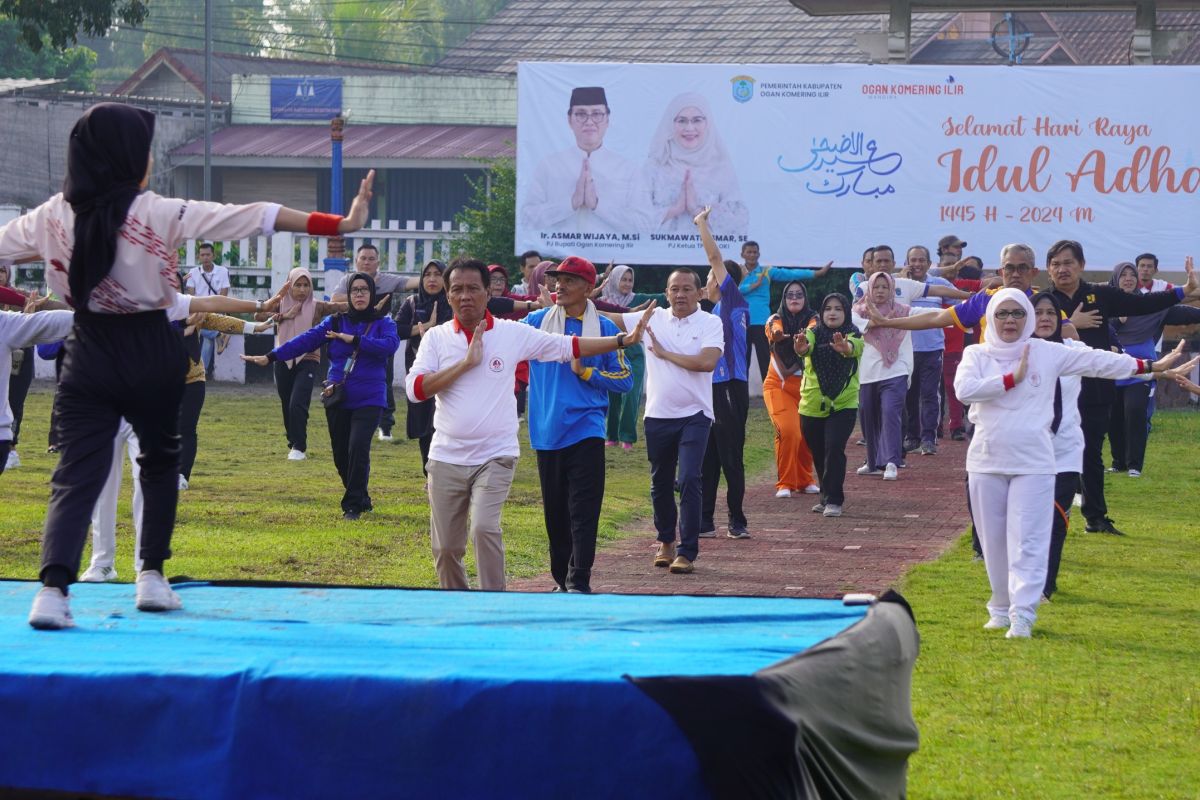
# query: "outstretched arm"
711,251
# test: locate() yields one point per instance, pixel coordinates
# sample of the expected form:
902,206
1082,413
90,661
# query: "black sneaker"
958,435
708,533
1103,525
927,449
351,515
738,533
911,445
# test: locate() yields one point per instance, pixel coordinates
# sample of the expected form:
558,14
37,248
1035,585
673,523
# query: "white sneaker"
1020,628
51,610
889,472
812,488
14,460
996,623
95,574
384,437
832,510
154,593
183,484
1135,473
1078,501
296,455
784,493
818,508
867,469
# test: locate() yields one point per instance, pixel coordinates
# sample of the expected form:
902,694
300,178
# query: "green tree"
490,217
59,22
403,31
74,65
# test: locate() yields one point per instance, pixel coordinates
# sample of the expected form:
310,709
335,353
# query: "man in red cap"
568,409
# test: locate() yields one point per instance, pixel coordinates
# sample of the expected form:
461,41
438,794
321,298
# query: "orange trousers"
793,461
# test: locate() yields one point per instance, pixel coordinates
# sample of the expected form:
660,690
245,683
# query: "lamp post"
336,262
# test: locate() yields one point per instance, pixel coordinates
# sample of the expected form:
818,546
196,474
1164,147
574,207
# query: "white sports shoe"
996,623
154,593
14,460
812,488
183,483
296,455
832,510
784,493
889,472
384,437
867,469
1135,473
51,610
1020,628
96,574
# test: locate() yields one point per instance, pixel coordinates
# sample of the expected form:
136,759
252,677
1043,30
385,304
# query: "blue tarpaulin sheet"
324,692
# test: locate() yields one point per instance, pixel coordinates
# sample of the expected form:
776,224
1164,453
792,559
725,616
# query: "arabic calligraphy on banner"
817,162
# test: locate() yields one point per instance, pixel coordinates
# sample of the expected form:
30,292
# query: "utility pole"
208,99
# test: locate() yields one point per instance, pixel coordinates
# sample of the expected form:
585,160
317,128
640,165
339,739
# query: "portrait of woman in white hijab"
689,168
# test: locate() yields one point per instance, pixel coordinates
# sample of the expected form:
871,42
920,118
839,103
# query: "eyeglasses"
360,290
1021,268
794,295
690,120
589,116
1016,313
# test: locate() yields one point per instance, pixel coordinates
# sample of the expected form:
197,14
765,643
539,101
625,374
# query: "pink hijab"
291,328
886,340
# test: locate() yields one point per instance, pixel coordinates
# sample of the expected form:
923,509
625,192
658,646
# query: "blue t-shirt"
734,312
759,297
927,341
565,408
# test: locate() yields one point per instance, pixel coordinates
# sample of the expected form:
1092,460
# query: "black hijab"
832,368
1057,337
424,302
792,324
368,314
107,157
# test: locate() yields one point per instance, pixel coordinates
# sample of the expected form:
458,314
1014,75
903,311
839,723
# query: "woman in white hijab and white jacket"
1010,381
688,168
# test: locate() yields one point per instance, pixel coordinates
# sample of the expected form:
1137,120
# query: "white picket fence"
263,262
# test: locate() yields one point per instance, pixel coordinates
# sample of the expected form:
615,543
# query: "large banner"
819,162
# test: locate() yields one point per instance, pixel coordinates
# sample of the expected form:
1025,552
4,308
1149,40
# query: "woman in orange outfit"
781,392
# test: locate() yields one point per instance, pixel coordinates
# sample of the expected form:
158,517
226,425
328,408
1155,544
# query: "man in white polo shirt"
470,365
681,354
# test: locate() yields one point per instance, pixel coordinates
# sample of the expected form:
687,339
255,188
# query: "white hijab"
665,152
993,345
612,290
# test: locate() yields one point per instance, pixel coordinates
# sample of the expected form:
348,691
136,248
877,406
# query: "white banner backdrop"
819,162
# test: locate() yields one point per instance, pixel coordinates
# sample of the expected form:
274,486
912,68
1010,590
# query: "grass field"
1104,702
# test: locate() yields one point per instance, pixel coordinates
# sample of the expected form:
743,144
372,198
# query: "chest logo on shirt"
1035,379
496,364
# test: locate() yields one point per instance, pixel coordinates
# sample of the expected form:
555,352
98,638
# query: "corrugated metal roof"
361,141
8,85
749,31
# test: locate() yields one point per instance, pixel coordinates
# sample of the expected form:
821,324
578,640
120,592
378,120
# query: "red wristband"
1144,366
1009,382
575,346
419,388
323,224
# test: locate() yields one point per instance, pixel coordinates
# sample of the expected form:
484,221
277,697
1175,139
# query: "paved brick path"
887,527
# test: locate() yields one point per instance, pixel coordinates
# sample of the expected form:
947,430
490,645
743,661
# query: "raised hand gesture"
1022,366
589,186
1166,362
635,336
1182,370
1191,289
383,302
841,344
277,298
475,349
360,208
579,197
800,344
702,216
259,360
421,327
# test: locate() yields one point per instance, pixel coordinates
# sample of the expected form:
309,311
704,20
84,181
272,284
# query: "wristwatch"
258,305
620,341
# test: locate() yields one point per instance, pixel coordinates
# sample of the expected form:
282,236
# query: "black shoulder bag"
334,392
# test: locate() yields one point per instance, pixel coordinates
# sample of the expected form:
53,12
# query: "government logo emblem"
743,88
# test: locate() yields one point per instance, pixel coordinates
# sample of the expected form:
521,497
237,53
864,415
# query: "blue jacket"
759,298
565,408
367,384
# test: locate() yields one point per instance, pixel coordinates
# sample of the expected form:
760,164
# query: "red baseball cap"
578,266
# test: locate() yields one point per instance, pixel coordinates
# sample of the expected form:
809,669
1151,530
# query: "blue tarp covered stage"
335,692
